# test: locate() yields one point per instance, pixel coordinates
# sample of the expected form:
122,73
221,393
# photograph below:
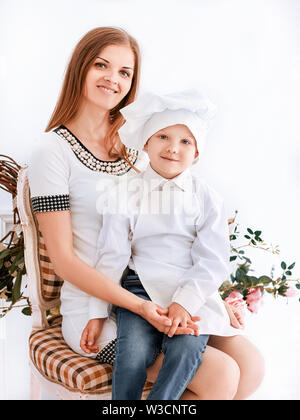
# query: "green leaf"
250,231
15,264
283,265
251,281
257,232
26,311
248,260
244,268
233,258
265,280
240,274
232,278
225,284
9,251
16,292
4,253
247,237
226,294
242,252
288,273
290,267
253,242
298,286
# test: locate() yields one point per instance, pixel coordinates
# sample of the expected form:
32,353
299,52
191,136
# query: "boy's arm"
210,254
113,254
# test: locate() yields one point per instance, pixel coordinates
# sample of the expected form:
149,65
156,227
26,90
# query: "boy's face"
171,150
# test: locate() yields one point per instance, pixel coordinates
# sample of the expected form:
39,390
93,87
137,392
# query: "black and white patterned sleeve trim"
108,353
50,203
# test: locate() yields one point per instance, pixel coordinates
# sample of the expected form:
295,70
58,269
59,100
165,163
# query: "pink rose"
291,292
254,299
254,293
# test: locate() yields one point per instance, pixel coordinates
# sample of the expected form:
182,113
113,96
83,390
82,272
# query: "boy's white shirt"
180,257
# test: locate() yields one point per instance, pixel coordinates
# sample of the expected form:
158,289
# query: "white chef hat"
151,113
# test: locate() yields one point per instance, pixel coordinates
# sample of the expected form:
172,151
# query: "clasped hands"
174,320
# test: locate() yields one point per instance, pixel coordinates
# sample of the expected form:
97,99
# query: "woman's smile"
107,89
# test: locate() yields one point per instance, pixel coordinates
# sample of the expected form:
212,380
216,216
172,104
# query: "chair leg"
35,388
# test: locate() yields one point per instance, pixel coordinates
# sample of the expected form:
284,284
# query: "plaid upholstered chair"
54,366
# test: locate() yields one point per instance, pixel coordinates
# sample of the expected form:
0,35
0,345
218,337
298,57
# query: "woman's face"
172,150
109,78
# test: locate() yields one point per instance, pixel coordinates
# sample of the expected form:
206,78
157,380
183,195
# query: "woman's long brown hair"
82,58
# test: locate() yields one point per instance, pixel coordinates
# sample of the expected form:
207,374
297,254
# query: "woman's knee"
218,377
248,358
231,379
252,374
227,379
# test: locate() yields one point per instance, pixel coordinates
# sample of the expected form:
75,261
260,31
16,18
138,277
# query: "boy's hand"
90,335
181,318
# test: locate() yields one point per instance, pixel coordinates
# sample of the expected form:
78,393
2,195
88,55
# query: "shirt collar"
183,180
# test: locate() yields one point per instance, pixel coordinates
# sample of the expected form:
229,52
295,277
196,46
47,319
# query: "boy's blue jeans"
139,344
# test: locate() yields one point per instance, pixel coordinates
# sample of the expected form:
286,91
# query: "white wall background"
245,54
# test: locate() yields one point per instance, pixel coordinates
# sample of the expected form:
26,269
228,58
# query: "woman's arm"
57,232
112,256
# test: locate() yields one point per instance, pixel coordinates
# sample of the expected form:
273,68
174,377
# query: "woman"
102,77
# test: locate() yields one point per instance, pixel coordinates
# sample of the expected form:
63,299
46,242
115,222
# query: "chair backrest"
42,282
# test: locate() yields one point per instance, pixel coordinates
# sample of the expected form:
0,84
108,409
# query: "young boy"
171,231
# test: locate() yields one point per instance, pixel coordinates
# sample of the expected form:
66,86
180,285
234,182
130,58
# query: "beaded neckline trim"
118,167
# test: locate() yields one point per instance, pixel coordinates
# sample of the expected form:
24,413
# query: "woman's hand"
157,316
154,314
236,316
90,335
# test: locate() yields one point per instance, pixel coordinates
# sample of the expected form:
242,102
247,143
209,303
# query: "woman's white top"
64,175
174,234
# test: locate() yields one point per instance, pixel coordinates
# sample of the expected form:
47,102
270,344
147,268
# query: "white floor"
275,330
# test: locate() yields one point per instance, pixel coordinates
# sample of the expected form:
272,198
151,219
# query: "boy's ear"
196,154
146,145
